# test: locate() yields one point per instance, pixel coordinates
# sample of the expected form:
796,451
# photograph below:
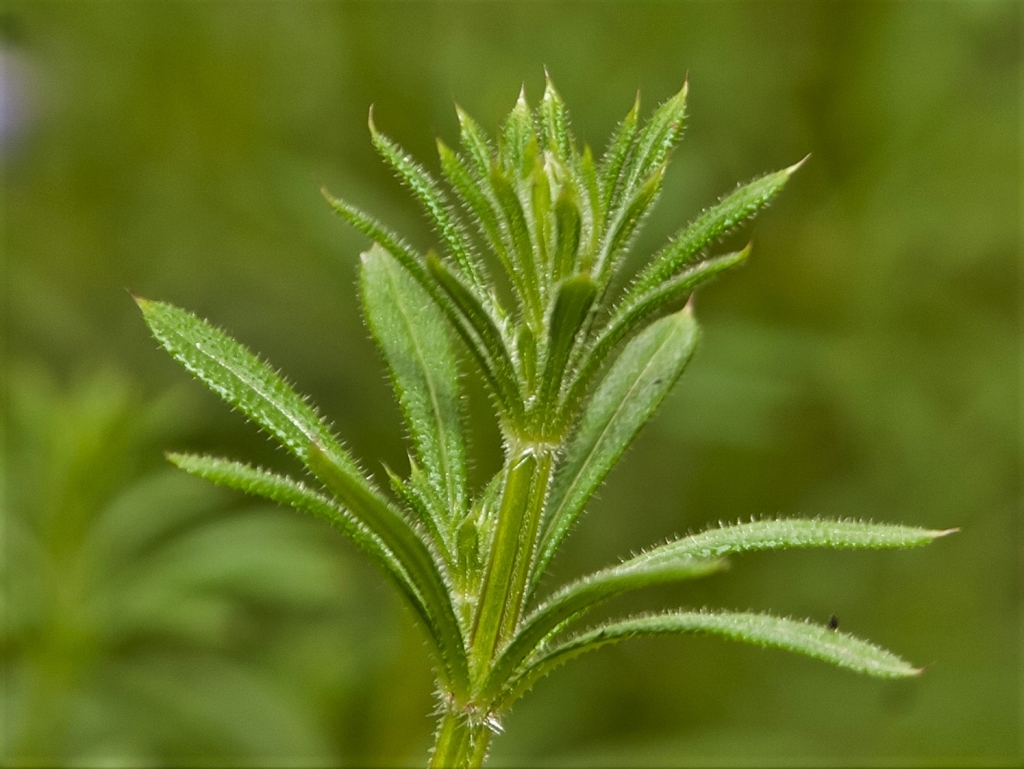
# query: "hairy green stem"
460,743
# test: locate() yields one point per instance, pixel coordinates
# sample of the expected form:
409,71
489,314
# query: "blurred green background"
865,363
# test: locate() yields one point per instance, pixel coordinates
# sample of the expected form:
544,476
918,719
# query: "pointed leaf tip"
798,165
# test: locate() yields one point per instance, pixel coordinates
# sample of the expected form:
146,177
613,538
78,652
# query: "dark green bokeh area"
865,363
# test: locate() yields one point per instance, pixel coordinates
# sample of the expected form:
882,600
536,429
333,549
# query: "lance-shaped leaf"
728,213
802,637
240,378
475,143
517,134
476,198
414,338
625,223
543,220
786,533
524,275
413,263
617,152
554,121
655,140
573,601
634,387
380,234
629,317
482,334
430,196
377,515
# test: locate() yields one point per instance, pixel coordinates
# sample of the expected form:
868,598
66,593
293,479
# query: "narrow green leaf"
431,197
802,637
567,228
554,119
632,390
654,142
595,217
524,274
786,533
427,508
728,213
630,317
489,343
543,221
625,224
379,233
616,153
517,134
475,196
475,143
575,298
526,357
377,515
241,379
573,601
414,338
286,491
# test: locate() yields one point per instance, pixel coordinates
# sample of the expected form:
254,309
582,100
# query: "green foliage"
574,372
127,587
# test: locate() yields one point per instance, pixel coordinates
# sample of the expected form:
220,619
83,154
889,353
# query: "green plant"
574,369
127,587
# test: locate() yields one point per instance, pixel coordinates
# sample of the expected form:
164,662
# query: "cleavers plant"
574,369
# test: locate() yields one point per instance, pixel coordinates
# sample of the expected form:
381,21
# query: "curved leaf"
574,600
802,637
728,213
374,512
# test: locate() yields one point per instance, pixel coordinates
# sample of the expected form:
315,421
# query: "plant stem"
459,744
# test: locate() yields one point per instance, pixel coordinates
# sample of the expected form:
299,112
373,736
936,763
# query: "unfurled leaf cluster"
533,230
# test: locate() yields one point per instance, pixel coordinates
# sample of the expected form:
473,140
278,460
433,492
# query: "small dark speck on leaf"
833,622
